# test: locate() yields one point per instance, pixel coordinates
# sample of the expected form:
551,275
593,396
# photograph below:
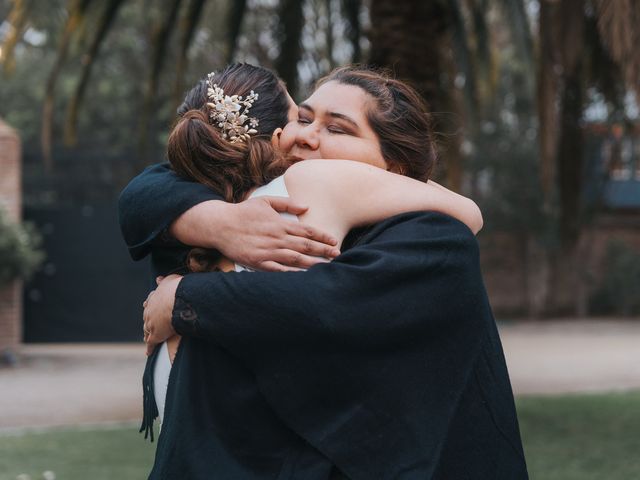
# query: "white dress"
162,368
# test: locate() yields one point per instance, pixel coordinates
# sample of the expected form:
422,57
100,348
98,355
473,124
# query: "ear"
275,138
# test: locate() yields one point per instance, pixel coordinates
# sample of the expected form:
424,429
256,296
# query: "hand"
158,309
252,233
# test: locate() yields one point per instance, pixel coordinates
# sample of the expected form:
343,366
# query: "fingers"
283,204
150,348
311,233
159,279
309,241
149,338
146,300
146,333
292,260
270,266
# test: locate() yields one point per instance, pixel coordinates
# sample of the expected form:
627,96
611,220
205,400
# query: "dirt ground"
71,384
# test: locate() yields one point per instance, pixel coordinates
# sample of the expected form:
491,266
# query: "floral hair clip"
231,113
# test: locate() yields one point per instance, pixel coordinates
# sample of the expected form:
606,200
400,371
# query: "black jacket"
384,363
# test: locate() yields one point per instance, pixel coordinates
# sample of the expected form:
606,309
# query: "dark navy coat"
383,364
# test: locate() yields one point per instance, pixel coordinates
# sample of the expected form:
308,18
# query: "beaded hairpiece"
231,113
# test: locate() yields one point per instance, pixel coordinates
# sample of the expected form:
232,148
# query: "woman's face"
332,124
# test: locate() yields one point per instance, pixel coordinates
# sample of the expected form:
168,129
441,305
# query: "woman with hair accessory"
361,341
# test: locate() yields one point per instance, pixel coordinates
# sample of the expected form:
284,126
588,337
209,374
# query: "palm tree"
176,16
583,44
181,16
433,46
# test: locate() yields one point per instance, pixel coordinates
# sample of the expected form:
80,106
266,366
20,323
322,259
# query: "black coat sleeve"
151,202
366,357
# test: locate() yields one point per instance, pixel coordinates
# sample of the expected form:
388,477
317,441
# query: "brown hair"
197,151
399,117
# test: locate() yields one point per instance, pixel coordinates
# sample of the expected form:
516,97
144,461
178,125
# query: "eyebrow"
341,116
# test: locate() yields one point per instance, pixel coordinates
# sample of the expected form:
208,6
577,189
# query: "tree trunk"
560,108
237,10
291,24
569,163
351,9
413,40
548,63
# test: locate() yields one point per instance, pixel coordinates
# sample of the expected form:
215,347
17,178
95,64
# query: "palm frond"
77,10
618,26
103,27
18,19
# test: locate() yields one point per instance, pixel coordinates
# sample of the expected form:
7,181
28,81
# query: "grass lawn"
578,437
582,437
116,453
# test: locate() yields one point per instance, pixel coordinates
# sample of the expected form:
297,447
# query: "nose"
308,137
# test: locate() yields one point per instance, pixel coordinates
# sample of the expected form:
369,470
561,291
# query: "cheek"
356,150
288,136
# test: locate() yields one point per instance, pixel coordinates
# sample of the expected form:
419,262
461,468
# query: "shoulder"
434,222
427,228
327,169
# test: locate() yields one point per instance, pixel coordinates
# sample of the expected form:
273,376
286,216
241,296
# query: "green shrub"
20,253
619,290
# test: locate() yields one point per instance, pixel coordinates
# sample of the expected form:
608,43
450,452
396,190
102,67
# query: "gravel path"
63,384
70,384
572,356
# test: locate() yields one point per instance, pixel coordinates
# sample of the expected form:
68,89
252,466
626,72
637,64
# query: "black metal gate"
89,289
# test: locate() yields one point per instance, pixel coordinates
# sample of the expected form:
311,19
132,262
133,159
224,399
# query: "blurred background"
536,109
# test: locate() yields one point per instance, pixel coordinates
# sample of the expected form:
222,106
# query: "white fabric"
162,368
161,372
275,188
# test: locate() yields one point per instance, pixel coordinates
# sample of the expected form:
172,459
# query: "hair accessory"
231,113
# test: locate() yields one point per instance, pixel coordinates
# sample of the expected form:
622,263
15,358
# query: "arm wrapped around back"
387,360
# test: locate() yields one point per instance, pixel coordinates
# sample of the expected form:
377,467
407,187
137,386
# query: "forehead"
339,98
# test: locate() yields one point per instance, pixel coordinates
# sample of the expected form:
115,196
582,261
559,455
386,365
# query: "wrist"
195,226
220,215
184,319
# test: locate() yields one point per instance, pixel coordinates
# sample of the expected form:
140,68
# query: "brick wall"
10,201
